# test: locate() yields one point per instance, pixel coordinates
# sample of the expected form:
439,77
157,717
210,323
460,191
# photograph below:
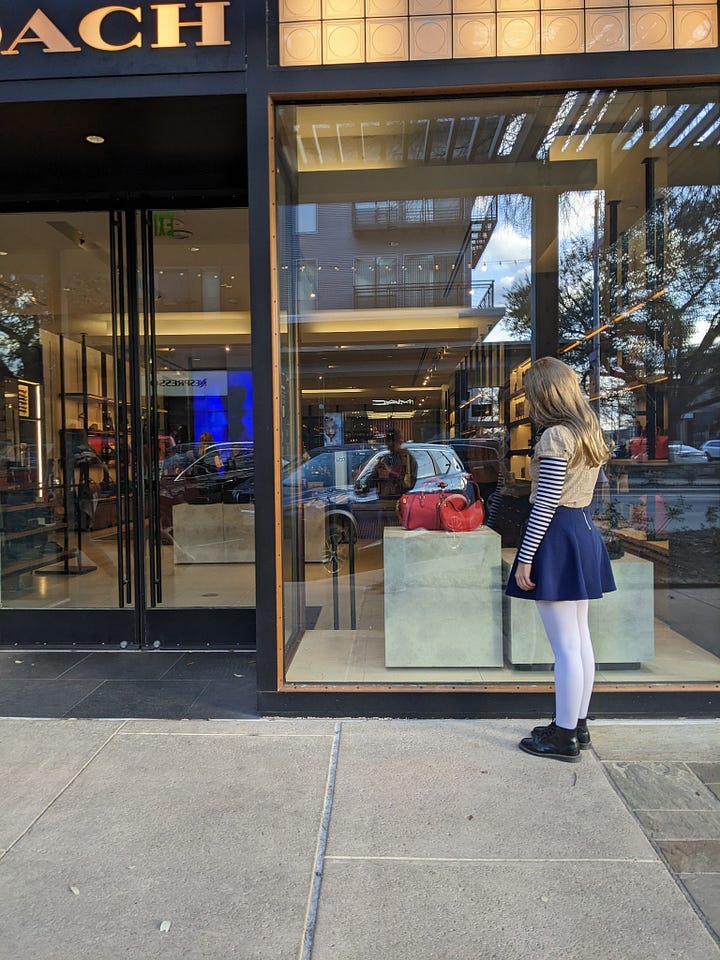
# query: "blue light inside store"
227,418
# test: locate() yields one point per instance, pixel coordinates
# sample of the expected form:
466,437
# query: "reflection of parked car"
683,453
712,449
333,477
326,468
187,478
363,514
480,456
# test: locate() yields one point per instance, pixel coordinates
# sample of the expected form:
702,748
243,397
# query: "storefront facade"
238,253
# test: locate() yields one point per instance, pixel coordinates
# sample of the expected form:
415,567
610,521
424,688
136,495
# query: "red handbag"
458,515
418,510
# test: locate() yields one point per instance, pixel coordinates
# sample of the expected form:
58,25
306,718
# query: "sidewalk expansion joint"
246,736
60,792
308,938
654,860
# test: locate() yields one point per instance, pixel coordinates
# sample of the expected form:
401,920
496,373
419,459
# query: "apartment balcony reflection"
478,295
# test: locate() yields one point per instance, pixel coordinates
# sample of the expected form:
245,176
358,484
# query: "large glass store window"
63,481
456,240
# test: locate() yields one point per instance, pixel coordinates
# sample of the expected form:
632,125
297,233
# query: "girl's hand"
522,576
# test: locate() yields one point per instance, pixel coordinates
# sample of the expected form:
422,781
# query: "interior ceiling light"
194,249
94,138
3,253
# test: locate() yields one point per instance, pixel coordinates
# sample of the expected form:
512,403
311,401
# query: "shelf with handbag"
433,509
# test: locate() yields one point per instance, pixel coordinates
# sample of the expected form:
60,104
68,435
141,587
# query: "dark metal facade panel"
475,704
64,629
89,39
216,628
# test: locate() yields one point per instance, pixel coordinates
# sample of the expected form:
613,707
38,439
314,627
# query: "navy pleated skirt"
571,563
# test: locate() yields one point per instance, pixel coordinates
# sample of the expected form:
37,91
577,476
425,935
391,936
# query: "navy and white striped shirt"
549,488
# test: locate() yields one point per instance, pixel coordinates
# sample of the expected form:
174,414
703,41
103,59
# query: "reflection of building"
200,206
408,257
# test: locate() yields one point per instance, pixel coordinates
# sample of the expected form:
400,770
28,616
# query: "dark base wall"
628,705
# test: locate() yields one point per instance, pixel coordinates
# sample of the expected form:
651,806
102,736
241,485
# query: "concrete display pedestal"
621,624
225,532
214,533
315,517
443,600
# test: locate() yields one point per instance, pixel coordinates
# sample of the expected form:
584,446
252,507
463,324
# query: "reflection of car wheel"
338,542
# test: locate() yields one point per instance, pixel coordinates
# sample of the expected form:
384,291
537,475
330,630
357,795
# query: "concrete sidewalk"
372,839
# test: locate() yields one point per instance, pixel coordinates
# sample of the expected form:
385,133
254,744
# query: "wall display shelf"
32,521
30,528
87,437
519,424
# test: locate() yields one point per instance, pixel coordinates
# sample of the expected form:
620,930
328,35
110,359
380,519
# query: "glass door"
66,492
195,407
126,435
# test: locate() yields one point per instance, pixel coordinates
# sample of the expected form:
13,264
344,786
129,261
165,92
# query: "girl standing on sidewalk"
562,561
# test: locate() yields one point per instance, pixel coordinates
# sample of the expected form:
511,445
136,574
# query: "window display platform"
358,656
443,605
621,624
214,533
225,532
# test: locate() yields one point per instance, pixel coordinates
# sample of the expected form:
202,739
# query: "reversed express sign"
196,383
70,38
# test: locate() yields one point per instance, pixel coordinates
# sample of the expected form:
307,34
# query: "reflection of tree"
690,313
19,330
676,334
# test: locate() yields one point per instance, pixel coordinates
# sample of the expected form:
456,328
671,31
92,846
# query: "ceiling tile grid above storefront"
368,31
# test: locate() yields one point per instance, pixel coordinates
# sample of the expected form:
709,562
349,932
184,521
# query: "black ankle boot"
558,743
583,734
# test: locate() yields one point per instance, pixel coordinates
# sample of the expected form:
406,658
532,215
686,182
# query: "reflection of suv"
187,478
326,469
360,513
481,458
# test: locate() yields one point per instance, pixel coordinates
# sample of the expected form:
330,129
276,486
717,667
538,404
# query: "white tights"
566,626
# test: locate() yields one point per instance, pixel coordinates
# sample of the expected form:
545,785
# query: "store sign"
23,400
399,402
120,39
193,383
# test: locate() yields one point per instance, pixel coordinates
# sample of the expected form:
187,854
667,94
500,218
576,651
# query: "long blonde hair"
554,397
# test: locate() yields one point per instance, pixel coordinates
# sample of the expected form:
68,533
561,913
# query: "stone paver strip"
692,856
680,824
707,772
691,742
705,891
660,786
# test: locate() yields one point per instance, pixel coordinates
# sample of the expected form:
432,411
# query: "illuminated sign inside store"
23,400
197,383
124,34
400,402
